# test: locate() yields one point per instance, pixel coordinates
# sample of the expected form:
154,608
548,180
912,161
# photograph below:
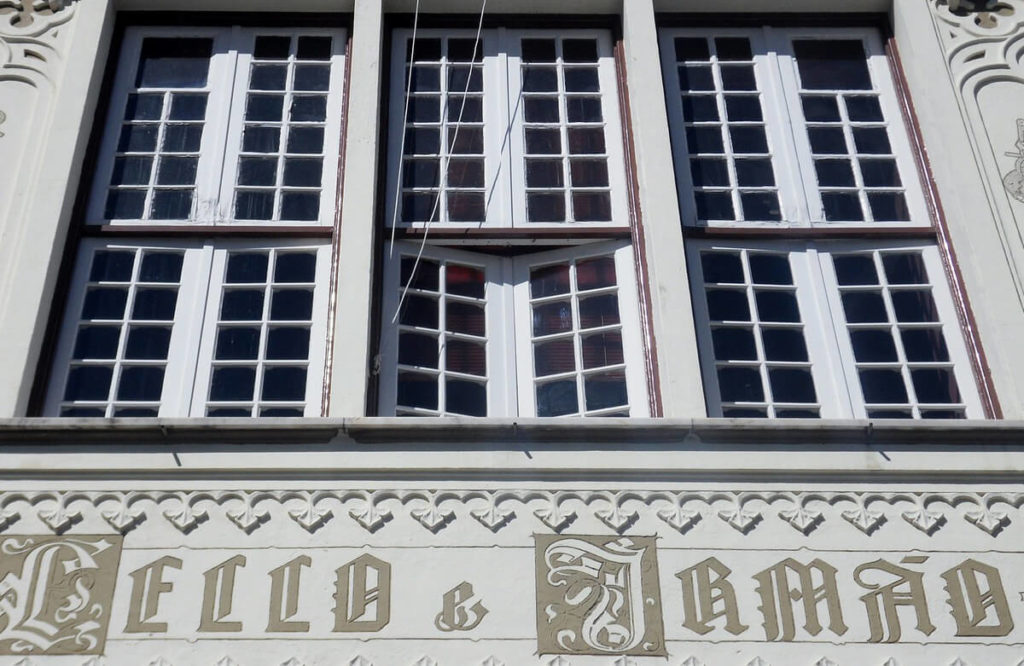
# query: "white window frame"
511,381
778,82
213,203
826,334
193,332
504,149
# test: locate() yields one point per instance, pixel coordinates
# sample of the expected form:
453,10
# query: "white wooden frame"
193,332
828,342
227,86
504,148
508,322
775,69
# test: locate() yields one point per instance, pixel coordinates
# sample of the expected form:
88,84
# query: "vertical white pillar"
675,337
357,258
49,100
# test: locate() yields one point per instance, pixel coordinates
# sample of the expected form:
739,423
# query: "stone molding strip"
493,510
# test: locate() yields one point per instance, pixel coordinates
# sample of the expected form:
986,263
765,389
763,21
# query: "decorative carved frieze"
494,510
30,37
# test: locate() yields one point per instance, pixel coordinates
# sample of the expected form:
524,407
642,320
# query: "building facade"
308,314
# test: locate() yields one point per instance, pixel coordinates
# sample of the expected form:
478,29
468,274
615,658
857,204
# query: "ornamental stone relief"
31,39
552,511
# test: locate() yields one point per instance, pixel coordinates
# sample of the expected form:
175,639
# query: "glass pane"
602,350
784,344
272,47
818,109
97,342
418,350
792,385
545,207
777,306
417,390
312,77
147,342
247,267
237,344
242,305
254,205
605,390
464,397
924,345
144,107
288,344
419,311
464,281
284,383
721,267
883,386
864,307
268,77
307,140
295,267
733,344
596,311
864,109
300,207
125,205
291,305
161,267
258,171
555,357
422,275
112,266
469,358
88,383
465,318
855,270
832,64
770,269
314,48
728,305
104,303
595,273
873,346
172,205
914,306
155,304
579,50
740,385
557,398
140,383
264,108
188,107
174,62
132,171
552,318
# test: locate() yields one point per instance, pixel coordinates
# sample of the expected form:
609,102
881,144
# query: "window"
547,334
518,130
788,127
213,128
837,330
518,134
222,127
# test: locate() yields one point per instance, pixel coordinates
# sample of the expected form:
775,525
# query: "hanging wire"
446,158
405,121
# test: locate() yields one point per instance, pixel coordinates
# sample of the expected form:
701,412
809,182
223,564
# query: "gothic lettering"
147,585
706,599
363,595
778,595
457,614
972,600
218,595
883,601
284,596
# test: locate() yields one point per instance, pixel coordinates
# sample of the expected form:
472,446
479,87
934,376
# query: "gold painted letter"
363,595
147,586
701,595
284,596
906,590
217,596
778,594
970,605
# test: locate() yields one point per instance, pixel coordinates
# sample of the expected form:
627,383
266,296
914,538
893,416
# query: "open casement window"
222,126
547,334
521,130
191,329
831,330
788,127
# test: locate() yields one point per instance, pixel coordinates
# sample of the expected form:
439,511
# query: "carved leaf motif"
24,662
294,661
617,519
432,517
186,517
927,521
424,661
492,661
227,661
825,661
159,661
891,662
742,520
864,519
372,517
554,517
802,519
121,518
95,661
247,517
492,516
60,518
958,662
679,518
559,661
360,660
309,516
758,661
992,522
692,661
624,661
